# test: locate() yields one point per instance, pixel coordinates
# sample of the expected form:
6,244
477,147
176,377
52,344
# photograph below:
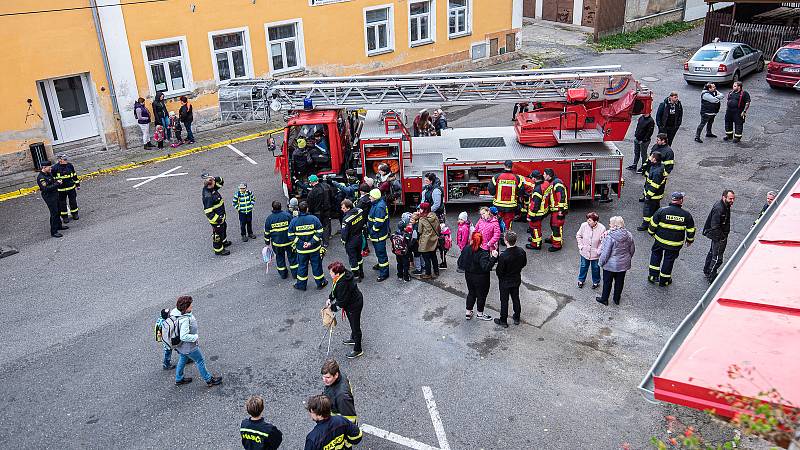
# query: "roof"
750,316
313,117
721,45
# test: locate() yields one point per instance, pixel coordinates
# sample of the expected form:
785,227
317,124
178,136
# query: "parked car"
784,69
722,62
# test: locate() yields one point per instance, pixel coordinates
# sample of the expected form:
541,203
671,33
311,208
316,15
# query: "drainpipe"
109,79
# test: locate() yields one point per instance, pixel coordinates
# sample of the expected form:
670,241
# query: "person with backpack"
186,346
143,119
401,240
167,361
428,229
256,433
445,242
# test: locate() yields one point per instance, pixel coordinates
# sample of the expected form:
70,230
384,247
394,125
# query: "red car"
784,69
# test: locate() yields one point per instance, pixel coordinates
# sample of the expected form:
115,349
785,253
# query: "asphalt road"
80,368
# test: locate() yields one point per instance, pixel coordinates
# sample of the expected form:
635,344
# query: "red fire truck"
571,120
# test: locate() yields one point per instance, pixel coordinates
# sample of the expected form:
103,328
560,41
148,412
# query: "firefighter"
559,205
48,186
319,204
305,231
654,182
505,188
64,170
214,208
671,226
771,196
330,432
276,233
736,112
352,234
537,211
378,220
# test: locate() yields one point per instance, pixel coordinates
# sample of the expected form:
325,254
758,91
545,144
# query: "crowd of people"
169,125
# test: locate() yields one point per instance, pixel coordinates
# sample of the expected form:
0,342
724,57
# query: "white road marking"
437,421
238,152
153,177
411,443
396,438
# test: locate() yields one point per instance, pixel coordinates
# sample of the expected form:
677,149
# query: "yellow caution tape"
128,166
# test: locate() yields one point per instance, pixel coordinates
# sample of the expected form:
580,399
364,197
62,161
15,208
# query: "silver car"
722,62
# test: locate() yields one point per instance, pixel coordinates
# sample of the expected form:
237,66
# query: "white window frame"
186,66
431,23
467,22
246,50
389,30
300,46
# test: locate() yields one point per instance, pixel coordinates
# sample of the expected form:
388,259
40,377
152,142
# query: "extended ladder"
242,100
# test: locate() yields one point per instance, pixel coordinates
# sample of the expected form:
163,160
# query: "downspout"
109,79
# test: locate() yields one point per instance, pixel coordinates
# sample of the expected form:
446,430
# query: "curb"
123,167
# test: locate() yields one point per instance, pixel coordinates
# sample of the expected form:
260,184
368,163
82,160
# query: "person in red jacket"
559,205
505,188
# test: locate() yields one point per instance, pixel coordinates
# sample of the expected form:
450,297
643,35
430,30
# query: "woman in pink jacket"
489,228
590,236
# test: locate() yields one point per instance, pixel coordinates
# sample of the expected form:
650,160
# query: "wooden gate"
609,18
557,10
766,37
718,25
529,8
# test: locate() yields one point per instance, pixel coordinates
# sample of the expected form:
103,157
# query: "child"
401,241
175,129
414,245
257,433
293,207
445,242
159,136
464,230
243,201
166,362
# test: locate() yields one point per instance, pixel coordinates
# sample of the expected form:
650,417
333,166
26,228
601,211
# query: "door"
589,11
69,108
529,8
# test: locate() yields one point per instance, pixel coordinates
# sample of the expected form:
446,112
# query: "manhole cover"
650,79
665,51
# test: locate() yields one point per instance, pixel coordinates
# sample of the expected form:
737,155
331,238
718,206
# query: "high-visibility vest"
506,187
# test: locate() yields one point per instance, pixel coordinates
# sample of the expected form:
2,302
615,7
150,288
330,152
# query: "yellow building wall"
333,35
42,46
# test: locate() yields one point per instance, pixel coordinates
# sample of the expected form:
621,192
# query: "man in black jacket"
319,204
48,186
258,434
710,101
669,116
641,140
717,228
509,266
214,208
338,390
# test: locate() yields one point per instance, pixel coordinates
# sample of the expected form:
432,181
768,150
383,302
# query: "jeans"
189,134
167,357
617,279
164,122
585,263
197,356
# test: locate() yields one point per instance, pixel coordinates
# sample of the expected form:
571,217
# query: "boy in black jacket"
256,433
641,140
509,265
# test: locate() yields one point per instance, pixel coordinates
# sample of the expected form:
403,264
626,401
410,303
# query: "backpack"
168,331
445,241
399,244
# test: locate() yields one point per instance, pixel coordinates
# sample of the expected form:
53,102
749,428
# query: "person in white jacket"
188,347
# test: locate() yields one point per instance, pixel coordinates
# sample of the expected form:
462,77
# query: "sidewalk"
113,160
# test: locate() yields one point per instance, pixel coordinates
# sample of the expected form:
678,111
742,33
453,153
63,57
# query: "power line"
23,13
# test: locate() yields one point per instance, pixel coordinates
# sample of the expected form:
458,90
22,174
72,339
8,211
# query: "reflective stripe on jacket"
671,226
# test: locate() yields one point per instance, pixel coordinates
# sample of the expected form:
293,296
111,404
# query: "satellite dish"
275,105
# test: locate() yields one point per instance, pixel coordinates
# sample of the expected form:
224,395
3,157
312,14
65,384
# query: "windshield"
710,55
787,56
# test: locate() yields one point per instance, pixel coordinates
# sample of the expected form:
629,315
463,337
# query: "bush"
644,34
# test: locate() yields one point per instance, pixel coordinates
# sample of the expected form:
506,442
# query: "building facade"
77,71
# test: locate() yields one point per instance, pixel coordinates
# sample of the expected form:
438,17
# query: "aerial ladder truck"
572,119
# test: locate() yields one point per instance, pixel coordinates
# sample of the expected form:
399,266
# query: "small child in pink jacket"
489,228
464,228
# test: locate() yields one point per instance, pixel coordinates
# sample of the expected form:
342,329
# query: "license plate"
792,70
702,69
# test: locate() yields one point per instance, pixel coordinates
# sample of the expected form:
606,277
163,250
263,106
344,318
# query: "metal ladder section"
242,100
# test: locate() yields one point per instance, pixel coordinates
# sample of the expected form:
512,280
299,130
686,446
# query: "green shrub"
644,34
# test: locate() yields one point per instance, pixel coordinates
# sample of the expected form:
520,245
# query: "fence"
765,37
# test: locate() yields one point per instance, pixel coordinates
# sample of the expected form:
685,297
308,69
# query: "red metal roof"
751,317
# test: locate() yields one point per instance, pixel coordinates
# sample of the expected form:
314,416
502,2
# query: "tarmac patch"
485,347
430,315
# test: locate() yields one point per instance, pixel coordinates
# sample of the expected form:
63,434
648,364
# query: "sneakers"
483,316
469,315
185,380
443,265
501,323
354,354
580,284
595,285
169,367
56,235
214,381
407,277
697,139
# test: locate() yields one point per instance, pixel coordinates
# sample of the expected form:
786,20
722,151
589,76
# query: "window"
458,18
168,65
420,22
285,46
378,30
230,50
738,53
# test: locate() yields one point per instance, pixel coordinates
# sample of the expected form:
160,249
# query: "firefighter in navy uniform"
364,203
537,211
559,206
276,233
331,432
378,222
736,112
214,208
654,182
48,186
505,187
305,230
671,226
64,170
352,236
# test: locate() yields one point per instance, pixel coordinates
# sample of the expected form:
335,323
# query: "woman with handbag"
428,228
346,295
